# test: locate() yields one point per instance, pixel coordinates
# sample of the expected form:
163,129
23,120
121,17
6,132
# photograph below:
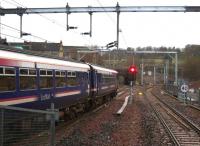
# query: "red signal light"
132,69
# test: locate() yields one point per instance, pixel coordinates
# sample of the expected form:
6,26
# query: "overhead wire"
13,36
22,32
51,20
18,4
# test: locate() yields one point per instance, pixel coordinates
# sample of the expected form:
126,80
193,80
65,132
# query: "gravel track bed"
137,126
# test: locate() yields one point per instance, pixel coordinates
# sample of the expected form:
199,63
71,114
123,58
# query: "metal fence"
26,127
193,98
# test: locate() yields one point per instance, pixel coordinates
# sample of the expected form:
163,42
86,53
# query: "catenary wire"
23,32
13,36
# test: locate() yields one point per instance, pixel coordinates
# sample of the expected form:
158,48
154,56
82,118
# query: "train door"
46,87
84,82
93,82
96,83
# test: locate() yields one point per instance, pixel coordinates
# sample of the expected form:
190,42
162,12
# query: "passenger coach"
35,82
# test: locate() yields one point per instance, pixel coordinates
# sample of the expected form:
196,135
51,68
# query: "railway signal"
132,70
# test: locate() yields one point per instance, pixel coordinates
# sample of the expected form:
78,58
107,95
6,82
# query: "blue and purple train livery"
35,82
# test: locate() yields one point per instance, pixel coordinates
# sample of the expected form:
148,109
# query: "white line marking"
123,106
18,101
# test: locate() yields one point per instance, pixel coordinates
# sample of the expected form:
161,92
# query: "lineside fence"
27,127
190,97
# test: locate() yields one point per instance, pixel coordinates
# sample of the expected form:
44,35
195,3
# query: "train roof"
41,61
104,70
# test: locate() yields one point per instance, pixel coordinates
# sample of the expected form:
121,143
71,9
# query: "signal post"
132,71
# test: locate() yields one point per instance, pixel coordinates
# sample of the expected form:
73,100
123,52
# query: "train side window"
43,72
60,79
32,72
1,70
7,79
107,79
49,73
23,71
10,71
57,73
27,79
62,73
46,78
72,79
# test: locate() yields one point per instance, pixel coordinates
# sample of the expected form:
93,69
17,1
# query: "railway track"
181,131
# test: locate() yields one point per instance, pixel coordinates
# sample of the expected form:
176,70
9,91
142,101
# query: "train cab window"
7,79
27,78
46,78
60,79
72,79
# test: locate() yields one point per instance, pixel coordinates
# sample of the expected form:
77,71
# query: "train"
35,81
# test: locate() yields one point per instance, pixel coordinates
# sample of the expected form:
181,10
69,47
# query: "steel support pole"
90,24
167,71
67,20
21,33
164,76
109,60
67,15
142,66
117,45
154,75
131,94
176,69
118,12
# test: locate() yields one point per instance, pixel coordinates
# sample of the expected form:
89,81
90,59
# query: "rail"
189,122
180,129
166,127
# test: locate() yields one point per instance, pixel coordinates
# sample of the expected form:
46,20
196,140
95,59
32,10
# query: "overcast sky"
137,29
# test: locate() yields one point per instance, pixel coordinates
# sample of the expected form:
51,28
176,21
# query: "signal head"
132,69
